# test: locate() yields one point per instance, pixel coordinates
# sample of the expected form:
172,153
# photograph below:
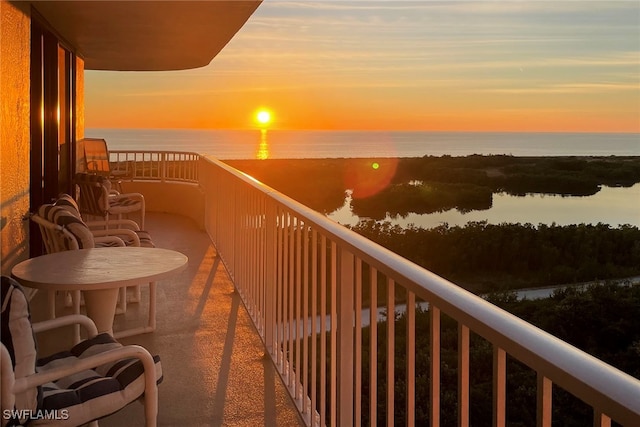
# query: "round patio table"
99,273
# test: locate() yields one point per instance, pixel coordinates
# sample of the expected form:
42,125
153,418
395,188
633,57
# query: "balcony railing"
293,266
156,165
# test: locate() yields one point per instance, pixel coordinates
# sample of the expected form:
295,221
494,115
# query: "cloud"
569,88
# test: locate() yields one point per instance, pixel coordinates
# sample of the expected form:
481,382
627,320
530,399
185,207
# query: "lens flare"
366,178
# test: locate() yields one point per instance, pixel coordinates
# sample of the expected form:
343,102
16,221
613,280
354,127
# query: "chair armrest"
118,233
125,352
113,223
72,319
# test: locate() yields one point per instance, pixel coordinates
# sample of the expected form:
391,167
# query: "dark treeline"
521,175
603,320
484,257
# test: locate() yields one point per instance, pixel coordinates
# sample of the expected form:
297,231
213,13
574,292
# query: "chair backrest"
62,230
67,202
94,194
96,156
54,237
19,342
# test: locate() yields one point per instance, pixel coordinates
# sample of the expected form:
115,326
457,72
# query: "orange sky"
509,66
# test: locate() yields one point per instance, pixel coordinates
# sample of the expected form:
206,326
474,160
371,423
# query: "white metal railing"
155,165
291,264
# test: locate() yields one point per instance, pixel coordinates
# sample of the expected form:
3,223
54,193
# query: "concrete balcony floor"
215,369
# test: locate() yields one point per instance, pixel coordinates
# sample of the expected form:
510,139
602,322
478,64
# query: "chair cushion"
67,202
145,239
18,338
102,390
122,203
62,217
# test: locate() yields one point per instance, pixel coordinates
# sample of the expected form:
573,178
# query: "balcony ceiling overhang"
146,35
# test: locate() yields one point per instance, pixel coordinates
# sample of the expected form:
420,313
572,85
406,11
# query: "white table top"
98,268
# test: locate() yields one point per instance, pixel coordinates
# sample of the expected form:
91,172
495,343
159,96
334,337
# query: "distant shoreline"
322,159
293,144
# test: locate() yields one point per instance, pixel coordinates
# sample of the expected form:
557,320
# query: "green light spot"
375,166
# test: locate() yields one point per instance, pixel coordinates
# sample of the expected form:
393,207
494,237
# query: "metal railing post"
163,167
270,278
345,331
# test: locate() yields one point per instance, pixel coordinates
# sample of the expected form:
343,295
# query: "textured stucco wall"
15,34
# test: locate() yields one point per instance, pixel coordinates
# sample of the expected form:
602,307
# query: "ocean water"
289,144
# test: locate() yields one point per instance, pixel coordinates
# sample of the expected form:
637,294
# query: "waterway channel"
611,205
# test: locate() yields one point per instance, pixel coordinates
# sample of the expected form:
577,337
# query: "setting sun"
263,117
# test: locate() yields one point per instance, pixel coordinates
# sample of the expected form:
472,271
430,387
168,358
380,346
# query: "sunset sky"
418,65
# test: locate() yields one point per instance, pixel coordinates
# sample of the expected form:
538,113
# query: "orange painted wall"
14,133
15,117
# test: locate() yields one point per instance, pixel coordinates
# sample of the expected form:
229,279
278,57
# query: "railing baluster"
391,339
463,375
262,260
305,324
285,299
291,264
333,373
544,392
323,330
163,167
345,338
601,420
434,316
499,387
298,320
373,350
314,328
358,345
411,359
270,285
280,294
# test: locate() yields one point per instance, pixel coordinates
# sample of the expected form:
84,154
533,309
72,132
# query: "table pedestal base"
101,307
151,325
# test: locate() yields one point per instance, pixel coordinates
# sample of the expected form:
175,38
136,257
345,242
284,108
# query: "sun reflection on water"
263,146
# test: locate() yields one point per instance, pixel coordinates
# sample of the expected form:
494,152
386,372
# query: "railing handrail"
597,383
193,153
